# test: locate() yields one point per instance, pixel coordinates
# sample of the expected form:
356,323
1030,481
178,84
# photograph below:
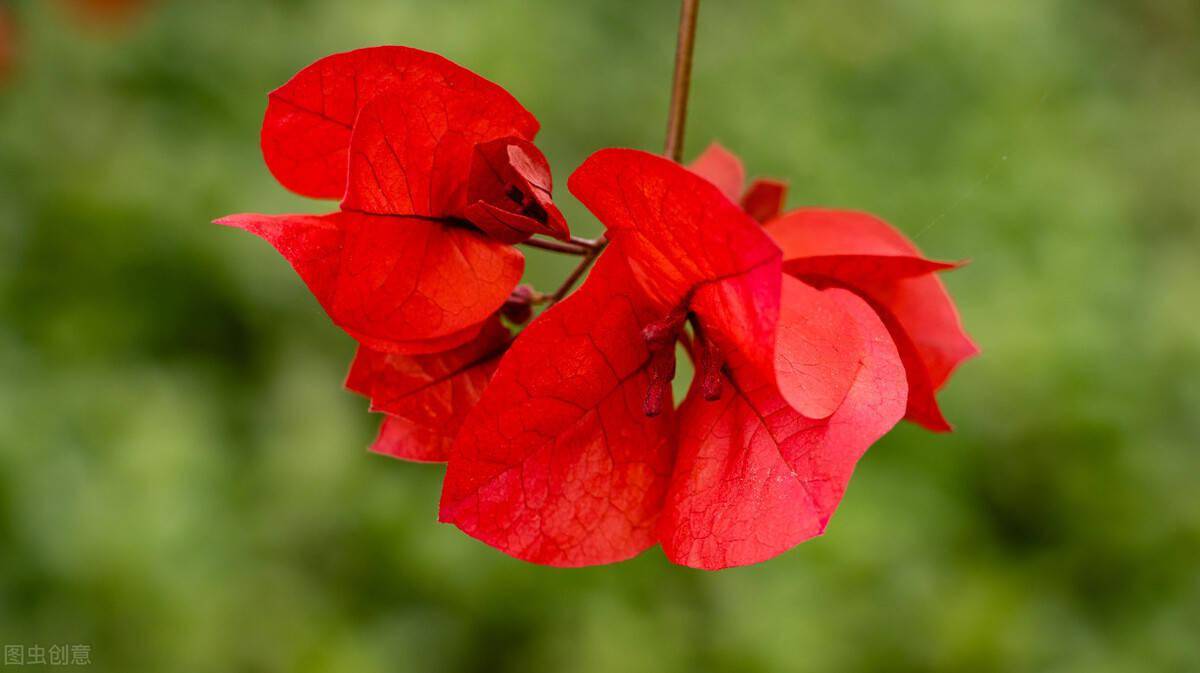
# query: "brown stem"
682,81
556,246
676,118
577,273
585,242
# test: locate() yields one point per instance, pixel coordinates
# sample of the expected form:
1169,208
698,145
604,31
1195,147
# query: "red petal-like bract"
764,199
403,285
687,243
401,438
558,464
412,148
508,194
863,253
395,132
427,397
754,477
307,128
819,350
722,168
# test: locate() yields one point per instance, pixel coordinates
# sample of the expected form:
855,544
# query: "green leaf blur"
184,485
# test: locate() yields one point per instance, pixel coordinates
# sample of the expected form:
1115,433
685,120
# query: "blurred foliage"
183,484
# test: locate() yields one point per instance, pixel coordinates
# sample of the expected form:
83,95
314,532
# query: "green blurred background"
184,485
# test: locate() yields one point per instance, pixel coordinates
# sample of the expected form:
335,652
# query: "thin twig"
585,242
557,246
680,84
577,273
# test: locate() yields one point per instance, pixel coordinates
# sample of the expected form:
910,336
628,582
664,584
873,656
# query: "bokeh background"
184,485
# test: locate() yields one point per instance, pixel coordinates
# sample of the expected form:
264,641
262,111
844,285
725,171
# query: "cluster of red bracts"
813,331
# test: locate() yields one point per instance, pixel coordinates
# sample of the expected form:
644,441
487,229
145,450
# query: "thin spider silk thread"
970,192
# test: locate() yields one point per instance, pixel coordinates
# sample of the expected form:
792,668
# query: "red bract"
558,463
857,251
762,201
426,397
574,455
755,476
437,175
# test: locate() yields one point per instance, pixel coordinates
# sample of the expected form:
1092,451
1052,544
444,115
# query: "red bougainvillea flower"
574,454
859,252
437,176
